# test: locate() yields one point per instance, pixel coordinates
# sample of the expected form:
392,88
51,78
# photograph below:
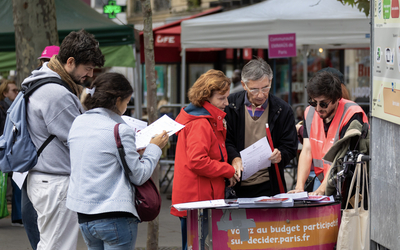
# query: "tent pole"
183,83
290,81
305,76
274,76
137,85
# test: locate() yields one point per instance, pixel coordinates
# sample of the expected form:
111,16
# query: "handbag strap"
365,184
356,175
121,151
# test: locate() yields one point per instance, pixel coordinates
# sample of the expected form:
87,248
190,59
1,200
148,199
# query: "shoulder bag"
147,198
354,227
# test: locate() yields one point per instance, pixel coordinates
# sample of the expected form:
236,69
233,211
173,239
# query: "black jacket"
282,126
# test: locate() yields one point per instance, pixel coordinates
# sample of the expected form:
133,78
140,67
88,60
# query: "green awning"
121,56
72,15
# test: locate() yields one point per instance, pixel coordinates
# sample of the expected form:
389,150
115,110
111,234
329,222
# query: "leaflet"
255,157
202,204
136,124
144,136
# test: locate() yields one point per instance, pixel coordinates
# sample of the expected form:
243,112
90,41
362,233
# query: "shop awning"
170,37
167,40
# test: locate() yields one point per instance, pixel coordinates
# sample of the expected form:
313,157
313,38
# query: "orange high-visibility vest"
320,144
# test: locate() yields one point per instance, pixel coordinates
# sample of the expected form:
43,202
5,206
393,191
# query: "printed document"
255,157
144,136
136,124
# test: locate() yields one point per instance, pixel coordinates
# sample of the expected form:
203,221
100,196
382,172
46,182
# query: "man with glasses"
326,121
246,115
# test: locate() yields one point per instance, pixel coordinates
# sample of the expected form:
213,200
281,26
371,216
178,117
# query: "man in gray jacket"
50,111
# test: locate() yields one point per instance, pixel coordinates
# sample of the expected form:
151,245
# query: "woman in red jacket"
201,159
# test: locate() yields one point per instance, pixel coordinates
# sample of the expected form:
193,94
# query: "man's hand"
276,156
238,165
296,190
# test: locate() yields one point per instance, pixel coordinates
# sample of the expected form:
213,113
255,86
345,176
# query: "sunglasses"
323,105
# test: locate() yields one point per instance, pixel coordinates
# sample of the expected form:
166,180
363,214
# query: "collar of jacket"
236,102
106,112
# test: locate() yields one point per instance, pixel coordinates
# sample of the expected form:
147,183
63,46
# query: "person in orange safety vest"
326,121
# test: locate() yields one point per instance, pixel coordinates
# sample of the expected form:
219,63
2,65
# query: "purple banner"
282,45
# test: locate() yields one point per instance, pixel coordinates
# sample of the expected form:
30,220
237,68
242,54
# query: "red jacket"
199,170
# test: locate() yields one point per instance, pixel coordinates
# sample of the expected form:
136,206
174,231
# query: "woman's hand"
296,190
238,166
232,181
160,140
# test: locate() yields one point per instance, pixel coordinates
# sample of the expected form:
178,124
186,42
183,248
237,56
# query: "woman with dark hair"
99,191
201,158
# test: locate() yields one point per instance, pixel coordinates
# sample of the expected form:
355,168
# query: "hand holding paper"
160,140
144,136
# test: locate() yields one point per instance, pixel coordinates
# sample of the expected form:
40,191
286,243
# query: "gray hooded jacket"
51,110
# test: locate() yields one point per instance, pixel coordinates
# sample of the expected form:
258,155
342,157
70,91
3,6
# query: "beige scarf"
57,67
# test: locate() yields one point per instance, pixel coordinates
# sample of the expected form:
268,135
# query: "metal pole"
183,82
305,76
137,85
290,81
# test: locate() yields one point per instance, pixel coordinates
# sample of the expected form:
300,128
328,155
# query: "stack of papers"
279,200
303,196
265,201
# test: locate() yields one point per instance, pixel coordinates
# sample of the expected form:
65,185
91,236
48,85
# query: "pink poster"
282,45
307,228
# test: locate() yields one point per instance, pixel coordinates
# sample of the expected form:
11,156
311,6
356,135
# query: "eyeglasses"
323,105
264,90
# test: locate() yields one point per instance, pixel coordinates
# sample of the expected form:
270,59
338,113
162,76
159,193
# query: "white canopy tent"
317,23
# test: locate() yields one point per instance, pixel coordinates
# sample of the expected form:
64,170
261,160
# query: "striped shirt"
255,111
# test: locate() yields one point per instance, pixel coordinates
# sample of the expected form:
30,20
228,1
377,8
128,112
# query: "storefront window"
357,76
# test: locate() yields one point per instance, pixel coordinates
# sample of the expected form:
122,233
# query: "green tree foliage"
362,5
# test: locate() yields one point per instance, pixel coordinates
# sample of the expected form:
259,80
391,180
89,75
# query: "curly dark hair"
83,47
325,84
204,87
109,86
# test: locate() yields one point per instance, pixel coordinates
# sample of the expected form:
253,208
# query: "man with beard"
50,111
326,121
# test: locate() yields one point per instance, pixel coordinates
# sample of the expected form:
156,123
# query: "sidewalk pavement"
14,238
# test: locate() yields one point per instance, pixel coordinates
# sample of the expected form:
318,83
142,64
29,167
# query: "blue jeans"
317,182
16,203
29,218
110,233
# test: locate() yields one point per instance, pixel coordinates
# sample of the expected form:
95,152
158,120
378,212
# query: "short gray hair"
255,70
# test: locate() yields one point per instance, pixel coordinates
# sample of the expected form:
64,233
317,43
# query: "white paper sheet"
19,178
136,124
294,196
143,137
255,157
201,204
